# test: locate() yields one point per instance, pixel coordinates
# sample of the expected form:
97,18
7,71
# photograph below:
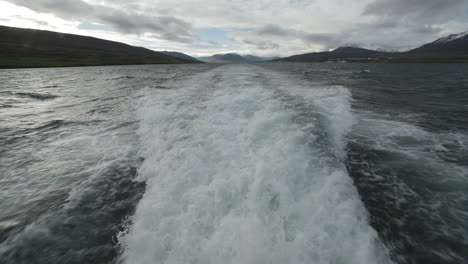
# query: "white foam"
415,145
232,179
334,104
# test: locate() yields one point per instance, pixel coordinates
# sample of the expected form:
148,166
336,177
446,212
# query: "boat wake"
238,169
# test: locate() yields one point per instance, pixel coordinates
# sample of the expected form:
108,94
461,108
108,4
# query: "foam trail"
231,178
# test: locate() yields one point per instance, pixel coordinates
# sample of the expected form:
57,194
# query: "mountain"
233,57
20,48
253,58
452,48
179,55
339,54
228,57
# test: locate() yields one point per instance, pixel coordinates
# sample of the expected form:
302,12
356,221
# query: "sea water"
235,163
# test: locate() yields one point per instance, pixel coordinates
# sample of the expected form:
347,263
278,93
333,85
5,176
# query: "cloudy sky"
259,27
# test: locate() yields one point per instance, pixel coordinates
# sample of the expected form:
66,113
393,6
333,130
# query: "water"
259,163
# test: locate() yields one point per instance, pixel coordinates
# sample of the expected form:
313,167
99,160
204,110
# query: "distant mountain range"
234,57
21,48
339,54
453,48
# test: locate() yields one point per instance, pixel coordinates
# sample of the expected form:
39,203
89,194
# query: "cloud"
274,36
164,27
262,27
405,24
423,10
261,44
274,30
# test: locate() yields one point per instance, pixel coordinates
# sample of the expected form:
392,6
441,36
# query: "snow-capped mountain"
451,38
451,46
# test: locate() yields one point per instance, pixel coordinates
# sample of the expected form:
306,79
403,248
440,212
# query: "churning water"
240,163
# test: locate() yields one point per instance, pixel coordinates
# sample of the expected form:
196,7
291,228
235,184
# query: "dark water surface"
240,163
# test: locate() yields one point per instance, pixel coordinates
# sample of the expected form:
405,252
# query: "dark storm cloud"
169,28
399,35
273,30
388,24
59,7
423,10
412,22
261,44
324,39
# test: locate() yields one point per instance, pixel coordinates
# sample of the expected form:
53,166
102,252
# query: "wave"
121,77
92,190
7,106
403,171
38,96
233,176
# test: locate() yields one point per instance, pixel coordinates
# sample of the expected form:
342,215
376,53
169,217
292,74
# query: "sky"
258,27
